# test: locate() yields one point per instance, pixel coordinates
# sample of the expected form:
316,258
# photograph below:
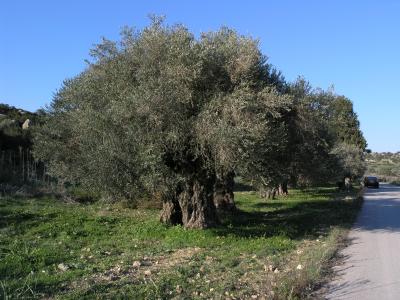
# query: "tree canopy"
163,112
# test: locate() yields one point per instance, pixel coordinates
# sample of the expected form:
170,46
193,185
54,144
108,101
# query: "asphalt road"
370,268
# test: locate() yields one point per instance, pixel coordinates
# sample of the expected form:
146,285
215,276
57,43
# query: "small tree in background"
324,132
351,160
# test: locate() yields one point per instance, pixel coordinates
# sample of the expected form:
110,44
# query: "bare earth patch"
140,270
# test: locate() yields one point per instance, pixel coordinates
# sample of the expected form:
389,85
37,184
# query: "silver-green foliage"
162,108
327,143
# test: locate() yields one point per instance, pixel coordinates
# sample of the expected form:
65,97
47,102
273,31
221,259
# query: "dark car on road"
371,181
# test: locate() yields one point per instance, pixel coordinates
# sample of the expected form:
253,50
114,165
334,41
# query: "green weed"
75,251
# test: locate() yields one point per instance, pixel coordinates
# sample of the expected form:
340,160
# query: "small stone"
146,263
26,124
254,296
299,251
136,264
147,272
90,256
87,249
114,277
208,258
198,275
211,290
276,271
299,267
254,256
62,267
202,269
179,289
271,268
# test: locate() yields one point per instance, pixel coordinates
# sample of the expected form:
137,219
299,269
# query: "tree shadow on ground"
8,218
300,220
12,212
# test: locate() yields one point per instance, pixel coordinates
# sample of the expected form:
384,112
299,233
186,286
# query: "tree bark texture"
171,212
283,189
268,192
223,192
198,209
192,206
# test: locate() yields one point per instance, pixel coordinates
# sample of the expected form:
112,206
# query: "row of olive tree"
169,114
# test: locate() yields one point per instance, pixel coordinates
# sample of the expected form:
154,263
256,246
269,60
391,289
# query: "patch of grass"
75,251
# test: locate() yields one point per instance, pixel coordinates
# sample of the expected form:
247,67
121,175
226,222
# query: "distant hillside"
17,114
385,165
15,125
17,165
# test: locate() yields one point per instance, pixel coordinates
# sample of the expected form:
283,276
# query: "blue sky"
353,45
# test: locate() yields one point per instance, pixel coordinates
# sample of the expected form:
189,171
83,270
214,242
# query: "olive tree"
324,136
162,111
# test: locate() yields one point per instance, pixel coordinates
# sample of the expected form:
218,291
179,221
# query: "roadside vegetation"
277,249
385,165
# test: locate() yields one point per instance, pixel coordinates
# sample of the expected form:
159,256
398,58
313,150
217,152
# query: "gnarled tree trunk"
283,189
192,205
268,192
171,212
271,193
196,202
223,192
